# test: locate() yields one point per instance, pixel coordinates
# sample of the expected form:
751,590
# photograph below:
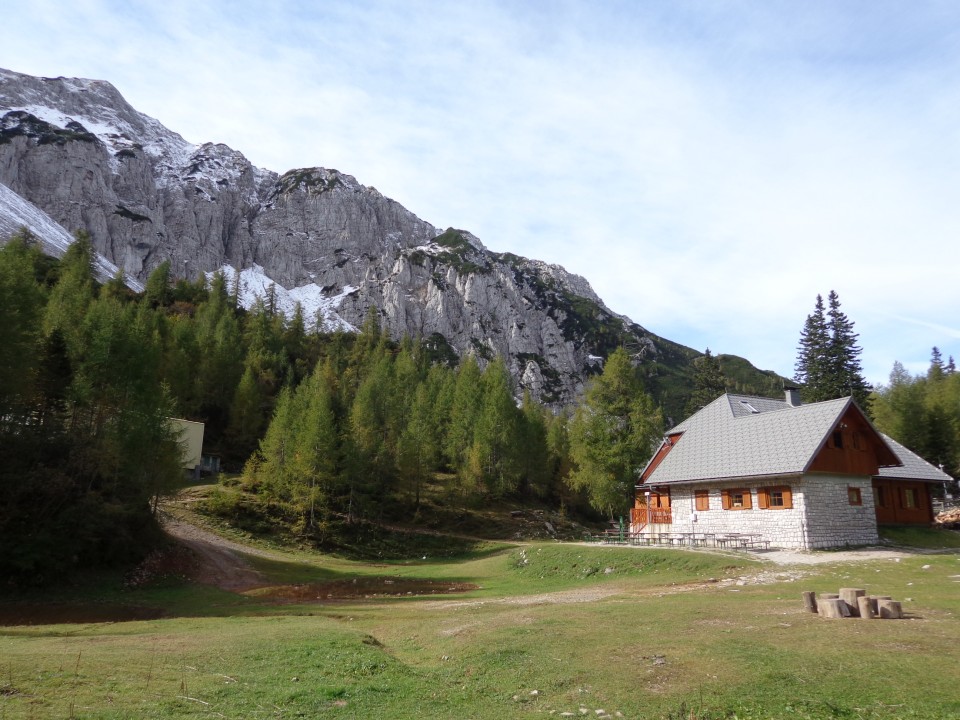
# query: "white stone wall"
831,520
821,516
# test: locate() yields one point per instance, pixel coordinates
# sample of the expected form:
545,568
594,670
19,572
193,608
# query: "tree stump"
810,601
833,608
889,609
873,602
865,608
849,596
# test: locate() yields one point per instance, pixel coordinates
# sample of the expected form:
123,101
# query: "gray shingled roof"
727,440
914,466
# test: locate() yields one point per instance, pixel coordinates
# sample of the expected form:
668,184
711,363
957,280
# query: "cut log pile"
949,518
853,602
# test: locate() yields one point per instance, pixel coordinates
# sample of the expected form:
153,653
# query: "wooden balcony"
657,516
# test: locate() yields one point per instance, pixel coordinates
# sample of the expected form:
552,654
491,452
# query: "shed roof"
914,467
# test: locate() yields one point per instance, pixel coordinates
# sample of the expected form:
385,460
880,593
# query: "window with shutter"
702,498
774,498
736,499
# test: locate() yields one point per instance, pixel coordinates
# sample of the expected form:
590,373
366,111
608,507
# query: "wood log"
890,609
833,608
873,602
810,601
865,608
849,596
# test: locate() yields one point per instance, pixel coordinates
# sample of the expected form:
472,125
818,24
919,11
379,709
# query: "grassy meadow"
551,629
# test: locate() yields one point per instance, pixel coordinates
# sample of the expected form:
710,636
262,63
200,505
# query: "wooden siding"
893,500
852,448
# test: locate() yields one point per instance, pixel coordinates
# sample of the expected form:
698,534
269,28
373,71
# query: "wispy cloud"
709,168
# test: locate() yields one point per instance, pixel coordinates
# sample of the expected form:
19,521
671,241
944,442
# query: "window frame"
726,497
765,497
854,496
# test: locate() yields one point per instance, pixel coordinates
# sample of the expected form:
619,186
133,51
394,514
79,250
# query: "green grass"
920,537
553,628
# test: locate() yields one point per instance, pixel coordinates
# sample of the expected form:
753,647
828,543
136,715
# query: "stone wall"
821,516
831,520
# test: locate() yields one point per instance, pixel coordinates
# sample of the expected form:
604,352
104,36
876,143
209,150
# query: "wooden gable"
853,447
665,448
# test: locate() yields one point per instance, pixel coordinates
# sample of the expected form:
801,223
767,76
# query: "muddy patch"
72,613
366,588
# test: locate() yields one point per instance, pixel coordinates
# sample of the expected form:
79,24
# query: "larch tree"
613,434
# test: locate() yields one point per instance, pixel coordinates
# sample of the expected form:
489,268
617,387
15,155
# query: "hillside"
78,152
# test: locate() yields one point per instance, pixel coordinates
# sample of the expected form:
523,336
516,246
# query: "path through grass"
553,629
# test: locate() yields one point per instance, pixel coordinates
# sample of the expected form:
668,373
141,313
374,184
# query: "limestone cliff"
78,151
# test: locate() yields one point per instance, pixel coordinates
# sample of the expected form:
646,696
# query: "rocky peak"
78,152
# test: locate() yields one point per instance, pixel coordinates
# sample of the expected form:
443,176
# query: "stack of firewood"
853,602
949,518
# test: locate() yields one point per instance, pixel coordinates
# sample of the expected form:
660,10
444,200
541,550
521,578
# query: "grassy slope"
654,644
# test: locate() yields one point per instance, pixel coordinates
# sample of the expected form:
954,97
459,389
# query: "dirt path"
221,561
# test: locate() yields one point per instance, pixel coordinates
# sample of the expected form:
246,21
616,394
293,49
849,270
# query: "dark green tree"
828,359
811,367
612,435
708,382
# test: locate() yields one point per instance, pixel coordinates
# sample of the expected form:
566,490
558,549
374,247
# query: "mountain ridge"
75,149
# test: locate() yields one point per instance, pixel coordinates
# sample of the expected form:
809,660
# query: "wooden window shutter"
747,499
763,498
725,499
787,498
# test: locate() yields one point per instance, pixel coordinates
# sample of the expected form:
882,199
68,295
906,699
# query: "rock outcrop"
79,152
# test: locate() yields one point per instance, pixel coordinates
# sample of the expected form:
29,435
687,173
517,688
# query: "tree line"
327,427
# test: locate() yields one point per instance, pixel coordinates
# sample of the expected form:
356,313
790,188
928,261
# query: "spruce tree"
811,355
828,358
845,373
708,382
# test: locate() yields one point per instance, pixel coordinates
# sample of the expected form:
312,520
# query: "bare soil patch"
365,588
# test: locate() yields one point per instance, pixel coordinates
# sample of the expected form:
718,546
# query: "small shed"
191,439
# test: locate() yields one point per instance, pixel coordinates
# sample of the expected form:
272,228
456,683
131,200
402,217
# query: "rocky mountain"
76,151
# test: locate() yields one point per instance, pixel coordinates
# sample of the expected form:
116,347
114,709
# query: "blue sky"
709,167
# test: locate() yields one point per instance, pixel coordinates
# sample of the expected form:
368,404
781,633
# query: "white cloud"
709,169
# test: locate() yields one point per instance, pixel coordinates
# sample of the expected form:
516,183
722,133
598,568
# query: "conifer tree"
828,360
613,434
845,374
493,458
708,382
811,367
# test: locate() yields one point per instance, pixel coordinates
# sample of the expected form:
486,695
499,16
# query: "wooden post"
829,596
833,608
873,602
849,596
889,609
810,601
865,608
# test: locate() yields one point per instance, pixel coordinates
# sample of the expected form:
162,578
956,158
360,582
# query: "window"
853,496
857,442
879,497
774,498
702,499
909,498
838,439
736,499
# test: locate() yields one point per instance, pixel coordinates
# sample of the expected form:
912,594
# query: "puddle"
361,589
72,613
